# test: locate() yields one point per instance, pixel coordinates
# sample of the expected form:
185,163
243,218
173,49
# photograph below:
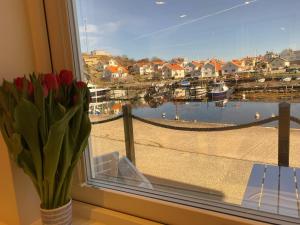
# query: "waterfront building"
143,68
269,56
290,55
114,72
173,71
213,68
278,63
232,67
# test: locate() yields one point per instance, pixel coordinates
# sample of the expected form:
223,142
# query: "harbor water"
223,112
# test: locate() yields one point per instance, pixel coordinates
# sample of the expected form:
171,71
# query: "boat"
261,80
198,92
219,91
185,83
179,94
99,94
287,79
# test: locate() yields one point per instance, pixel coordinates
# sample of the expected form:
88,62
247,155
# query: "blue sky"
196,29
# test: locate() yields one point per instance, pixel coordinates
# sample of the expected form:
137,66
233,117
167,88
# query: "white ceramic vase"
58,216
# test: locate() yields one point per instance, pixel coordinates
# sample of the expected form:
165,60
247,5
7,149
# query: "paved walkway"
218,161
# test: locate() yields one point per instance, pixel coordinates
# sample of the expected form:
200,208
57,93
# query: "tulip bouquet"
45,124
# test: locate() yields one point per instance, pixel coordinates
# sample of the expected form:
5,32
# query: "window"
186,141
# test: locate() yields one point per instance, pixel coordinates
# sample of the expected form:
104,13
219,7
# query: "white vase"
58,216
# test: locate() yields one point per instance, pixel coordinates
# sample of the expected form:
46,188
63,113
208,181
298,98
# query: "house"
112,62
194,68
142,68
158,65
100,52
249,63
269,56
102,65
173,71
232,67
279,63
213,68
290,55
114,72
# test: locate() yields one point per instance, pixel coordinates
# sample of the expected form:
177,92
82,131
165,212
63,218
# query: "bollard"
128,133
284,134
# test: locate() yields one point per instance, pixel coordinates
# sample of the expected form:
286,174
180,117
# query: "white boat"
261,80
179,93
287,79
218,91
99,94
198,92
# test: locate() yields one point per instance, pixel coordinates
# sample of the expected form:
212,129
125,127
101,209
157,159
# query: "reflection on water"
226,111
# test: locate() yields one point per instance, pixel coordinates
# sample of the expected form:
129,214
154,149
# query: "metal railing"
283,118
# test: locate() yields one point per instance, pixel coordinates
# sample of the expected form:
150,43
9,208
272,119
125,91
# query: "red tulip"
30,89
19,83
50,81
66,77
45,90
80,84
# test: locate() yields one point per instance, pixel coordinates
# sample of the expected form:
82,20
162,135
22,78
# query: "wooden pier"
269,86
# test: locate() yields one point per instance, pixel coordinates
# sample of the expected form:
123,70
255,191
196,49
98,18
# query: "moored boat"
219,91
287,79
198,92
179,94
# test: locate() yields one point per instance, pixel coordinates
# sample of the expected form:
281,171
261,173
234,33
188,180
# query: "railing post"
284,134
128,132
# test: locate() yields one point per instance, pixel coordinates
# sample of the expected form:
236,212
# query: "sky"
194,29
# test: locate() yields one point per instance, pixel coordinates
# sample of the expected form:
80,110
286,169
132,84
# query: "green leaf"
39,101
25,162
82,140
26,121
53,147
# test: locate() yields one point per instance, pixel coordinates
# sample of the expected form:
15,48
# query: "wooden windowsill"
85,214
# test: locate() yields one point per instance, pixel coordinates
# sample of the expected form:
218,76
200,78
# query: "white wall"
19,54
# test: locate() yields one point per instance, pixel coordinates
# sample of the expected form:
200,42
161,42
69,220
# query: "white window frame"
152,205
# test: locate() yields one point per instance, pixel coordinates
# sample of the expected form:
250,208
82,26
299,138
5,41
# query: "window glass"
186,99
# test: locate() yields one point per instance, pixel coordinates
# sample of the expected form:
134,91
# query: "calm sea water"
233,112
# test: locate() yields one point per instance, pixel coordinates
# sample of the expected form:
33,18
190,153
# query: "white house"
290,55
173,71
231,68
194,68
269,56
249,63
279,63
211,69
158,65
100,52
114,72
112,62
143,68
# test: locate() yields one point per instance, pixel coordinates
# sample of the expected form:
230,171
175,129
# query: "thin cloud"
106,28
195,20
89,28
